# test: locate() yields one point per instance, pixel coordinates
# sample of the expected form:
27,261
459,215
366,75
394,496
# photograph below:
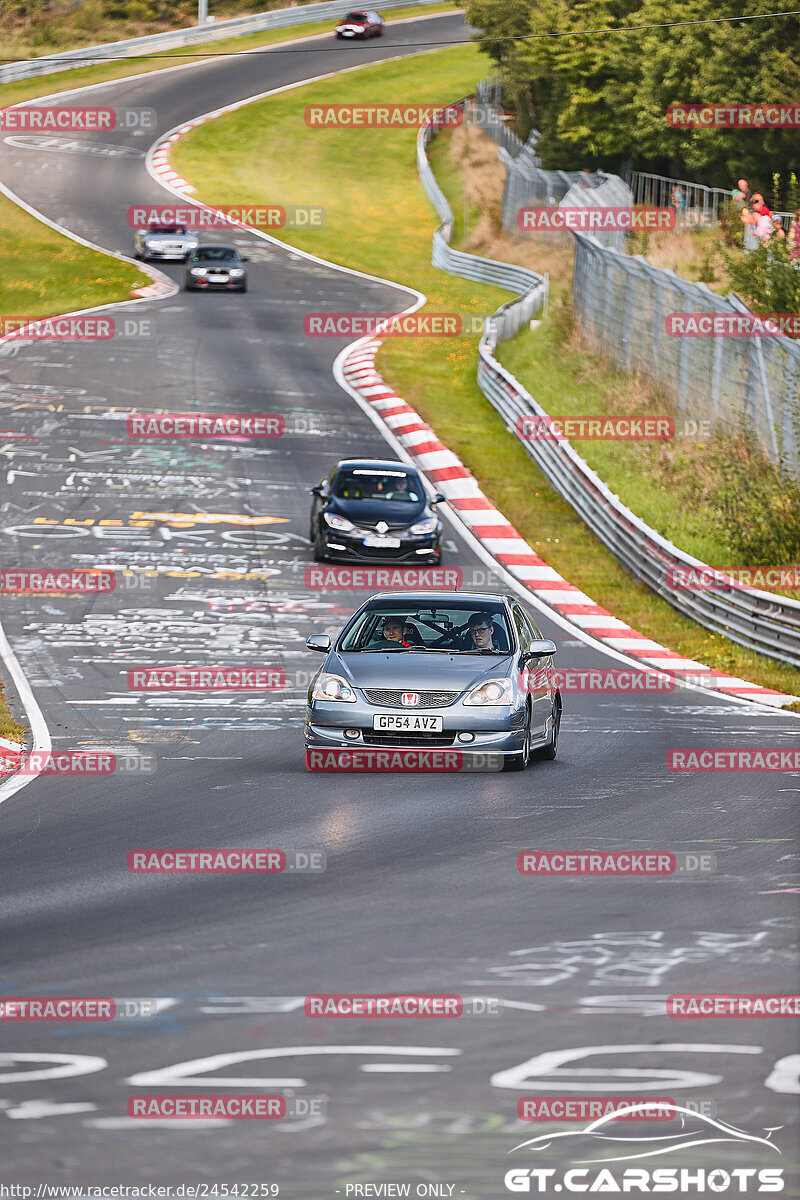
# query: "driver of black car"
393,632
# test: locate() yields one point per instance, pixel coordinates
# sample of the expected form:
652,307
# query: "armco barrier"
759,620
281,18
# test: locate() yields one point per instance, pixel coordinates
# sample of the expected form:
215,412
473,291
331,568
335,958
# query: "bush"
756,503
766,277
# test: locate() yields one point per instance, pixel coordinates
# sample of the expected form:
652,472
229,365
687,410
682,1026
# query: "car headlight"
333,687
494,691
336,522
235,272
427,525
199,271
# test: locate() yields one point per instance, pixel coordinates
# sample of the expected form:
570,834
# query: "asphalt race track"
421,892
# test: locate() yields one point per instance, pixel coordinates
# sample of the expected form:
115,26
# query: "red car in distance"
361,23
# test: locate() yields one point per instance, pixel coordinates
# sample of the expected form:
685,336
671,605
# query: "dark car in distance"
214,266
375,510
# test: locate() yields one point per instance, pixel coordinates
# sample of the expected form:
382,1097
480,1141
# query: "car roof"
217,246
389,464
428,599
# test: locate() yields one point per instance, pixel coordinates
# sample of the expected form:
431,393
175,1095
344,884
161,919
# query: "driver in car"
400,490
481,634
393,632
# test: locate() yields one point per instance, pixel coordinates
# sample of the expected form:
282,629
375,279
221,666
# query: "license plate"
384,543
218,279
407,722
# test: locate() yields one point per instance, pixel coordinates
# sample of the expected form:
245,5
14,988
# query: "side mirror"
541,649
317,491
319,642
439,498
244,258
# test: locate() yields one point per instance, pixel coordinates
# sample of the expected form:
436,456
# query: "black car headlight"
426,525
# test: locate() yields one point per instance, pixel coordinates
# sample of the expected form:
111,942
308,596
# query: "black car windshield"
215,254
455,626
362,483
355,16
168,229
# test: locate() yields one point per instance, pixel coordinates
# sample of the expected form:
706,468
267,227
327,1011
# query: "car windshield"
355,16
215,254
454,627
361,483
168,229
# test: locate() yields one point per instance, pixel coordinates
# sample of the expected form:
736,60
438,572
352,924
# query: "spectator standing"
794,238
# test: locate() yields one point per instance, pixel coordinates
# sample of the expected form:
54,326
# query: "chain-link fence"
760,620
695,204
622,303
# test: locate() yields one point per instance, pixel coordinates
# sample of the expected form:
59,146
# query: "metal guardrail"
68,60
762,621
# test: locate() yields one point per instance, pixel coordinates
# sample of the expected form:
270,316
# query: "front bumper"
411,549
202,284
501,731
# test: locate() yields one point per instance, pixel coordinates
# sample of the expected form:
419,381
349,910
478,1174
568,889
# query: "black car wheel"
320,550
520,761
548,752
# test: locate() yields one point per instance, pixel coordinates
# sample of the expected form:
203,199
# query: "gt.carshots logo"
605,1141
204,425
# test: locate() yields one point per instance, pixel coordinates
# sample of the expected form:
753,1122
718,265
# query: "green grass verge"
31,89
45,273
379,220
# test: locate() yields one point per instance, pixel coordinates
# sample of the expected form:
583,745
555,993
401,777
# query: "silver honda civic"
436,669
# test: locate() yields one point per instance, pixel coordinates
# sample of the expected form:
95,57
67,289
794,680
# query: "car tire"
518,762
548,752
319,548
243,288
